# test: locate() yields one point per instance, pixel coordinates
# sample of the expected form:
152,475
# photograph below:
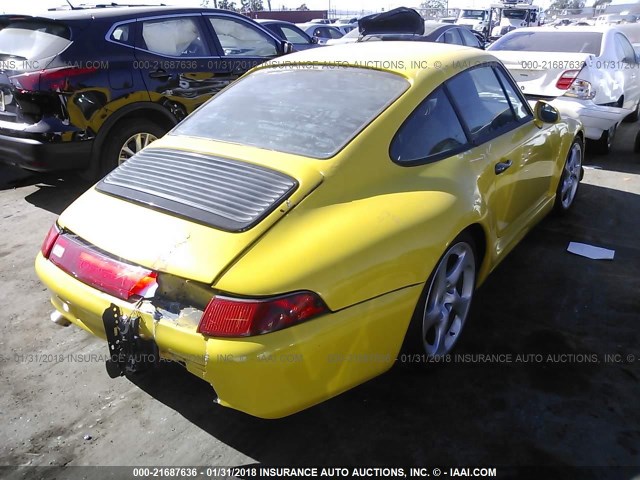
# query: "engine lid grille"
219,192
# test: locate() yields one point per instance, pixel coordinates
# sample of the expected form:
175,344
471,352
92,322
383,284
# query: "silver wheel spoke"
127,153
456,272
134,144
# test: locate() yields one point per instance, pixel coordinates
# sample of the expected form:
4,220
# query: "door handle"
502,166
159,74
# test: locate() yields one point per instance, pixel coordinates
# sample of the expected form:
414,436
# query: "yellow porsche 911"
289,238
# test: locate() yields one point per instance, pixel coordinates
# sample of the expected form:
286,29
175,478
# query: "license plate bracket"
128,351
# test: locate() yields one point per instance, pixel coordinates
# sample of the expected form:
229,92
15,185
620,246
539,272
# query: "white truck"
508,16
474,18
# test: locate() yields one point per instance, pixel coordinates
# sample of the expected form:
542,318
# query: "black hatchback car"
88,88
406,24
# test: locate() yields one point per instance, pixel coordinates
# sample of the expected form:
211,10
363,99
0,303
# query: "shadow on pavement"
57,194
540,377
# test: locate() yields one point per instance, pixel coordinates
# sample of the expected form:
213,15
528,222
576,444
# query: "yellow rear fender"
347,255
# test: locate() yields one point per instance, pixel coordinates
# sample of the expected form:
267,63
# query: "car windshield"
562,41
300,109
516,14
31,40
477,14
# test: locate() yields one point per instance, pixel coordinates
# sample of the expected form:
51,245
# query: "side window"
469,39
178,37
629,54
519,106
123,34
482,104
451,36
293,36
335,33
431,131
239,38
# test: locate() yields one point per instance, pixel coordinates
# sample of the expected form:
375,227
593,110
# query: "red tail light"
566,79
234,317
49,240
56,79
120,279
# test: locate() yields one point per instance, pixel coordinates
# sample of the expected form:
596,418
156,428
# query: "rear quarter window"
33,40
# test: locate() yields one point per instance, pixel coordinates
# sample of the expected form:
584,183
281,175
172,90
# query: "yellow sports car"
288,238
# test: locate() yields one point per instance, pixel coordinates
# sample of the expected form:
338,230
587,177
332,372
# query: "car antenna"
72,7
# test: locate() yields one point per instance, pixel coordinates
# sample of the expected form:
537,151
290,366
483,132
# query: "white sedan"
587,72
321,32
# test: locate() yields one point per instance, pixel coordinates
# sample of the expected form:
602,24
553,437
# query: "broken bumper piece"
128,351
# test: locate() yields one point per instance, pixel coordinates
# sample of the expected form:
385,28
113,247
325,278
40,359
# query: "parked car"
615,19
321,32
350,37
289,241
434,32
345,27
87,88
290,32
589,72
407,24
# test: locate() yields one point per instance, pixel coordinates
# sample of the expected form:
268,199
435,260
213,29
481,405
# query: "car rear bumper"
36,151
268,376
595,118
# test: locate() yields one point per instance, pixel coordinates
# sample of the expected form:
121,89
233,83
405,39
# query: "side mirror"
287,47
314,39
546,113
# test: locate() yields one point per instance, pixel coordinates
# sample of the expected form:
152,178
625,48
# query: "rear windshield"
565,42
304,110
32,40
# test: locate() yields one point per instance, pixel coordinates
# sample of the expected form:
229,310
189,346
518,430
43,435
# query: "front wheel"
570,177
126,140
444,306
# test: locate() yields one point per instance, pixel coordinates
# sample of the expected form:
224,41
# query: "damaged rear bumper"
595,119
268,376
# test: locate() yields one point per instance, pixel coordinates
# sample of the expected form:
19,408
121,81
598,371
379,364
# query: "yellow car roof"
407,58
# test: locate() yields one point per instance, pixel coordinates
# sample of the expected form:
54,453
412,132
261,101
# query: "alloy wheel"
571,176
449,299
134,144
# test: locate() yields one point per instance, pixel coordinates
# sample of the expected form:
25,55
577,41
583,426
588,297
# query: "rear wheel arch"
479,236
146,111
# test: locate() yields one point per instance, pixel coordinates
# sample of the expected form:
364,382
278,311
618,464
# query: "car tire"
126,139
633,117
444,305
569,182
604,144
